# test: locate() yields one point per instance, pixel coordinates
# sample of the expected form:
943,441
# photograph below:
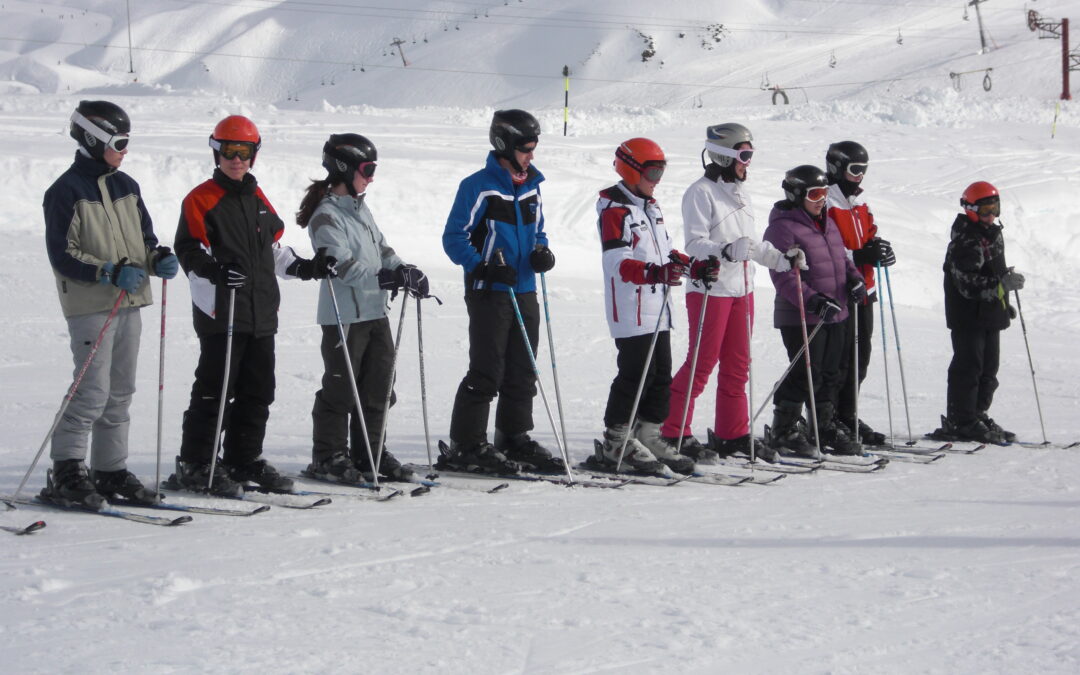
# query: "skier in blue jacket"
495,231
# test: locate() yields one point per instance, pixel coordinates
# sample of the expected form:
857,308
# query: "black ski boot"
338,467
123,484
528,453
993,426
389,468
978,431
195,477
726,447
867,435
835,436
262,474
481,457
788,432
694,449
68,483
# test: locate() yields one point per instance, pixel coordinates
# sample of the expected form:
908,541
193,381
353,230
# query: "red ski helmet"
235,129
978,194
637,156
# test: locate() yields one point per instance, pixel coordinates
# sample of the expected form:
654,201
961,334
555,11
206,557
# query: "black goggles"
989,206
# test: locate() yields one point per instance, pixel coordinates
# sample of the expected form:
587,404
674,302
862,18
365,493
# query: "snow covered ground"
968,565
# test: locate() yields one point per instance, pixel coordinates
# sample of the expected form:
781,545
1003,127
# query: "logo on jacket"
532,208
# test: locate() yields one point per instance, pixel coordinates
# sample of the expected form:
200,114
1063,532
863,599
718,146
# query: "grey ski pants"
98,413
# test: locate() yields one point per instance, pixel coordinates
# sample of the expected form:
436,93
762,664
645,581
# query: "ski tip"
418,491
498,488
180,521
32,527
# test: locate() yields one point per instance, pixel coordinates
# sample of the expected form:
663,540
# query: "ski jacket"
716,213
632,234
345,226
974,266
95,214
830,268
489,213
852,217
224,220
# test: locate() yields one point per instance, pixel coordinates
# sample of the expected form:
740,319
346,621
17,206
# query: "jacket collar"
640,202
347,203
532,178
91,167
245,186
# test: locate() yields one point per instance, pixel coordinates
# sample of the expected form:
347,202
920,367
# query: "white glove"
738,250
795,256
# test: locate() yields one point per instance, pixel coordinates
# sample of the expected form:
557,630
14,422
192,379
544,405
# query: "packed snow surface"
967,565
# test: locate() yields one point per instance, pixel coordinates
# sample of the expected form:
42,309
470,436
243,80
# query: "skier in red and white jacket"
845,166
638,257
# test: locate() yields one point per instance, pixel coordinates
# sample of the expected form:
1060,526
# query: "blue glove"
167,264
106,274
126,276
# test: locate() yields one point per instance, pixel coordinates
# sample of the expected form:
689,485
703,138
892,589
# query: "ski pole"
790,366
885,358
500,260
554,370
1031,364
71,391
899,357
641,382
161,394
809,371
352,380
224,386
749,356
390,387
855,363
693,366
423,384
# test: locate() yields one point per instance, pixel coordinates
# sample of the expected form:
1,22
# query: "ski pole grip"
498,257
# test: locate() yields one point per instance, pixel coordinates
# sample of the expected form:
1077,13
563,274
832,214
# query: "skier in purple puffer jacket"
799,220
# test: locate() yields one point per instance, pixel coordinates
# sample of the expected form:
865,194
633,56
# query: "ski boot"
835,436
389,468
195,477
636,457
123,484
788,432
694,449
528,453
648,434
68,484
337,467
261,473
867,435
480,457
993,426
726,447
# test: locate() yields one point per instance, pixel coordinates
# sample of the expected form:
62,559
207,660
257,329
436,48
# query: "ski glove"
319,267
228,274
1012,281
412,280
707,270
857,291
873,252
797,258
825,307
542,259
166,266
888,257
670,273
493,273
738,250
123,275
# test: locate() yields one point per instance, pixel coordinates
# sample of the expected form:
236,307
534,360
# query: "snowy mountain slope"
965,566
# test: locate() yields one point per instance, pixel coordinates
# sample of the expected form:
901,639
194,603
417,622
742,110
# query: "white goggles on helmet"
742,156
117,142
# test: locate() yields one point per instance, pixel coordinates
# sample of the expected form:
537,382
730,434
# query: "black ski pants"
656,393
864,314
334,418
826,352
248,399
499,364
973,373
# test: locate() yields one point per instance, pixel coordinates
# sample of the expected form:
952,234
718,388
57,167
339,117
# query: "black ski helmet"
798,181
99,124
342,156
510,129
840,155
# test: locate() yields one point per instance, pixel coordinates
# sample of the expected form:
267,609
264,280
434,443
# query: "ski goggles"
366,169
989,206
858,169
116,142
526,146
234,149
817,194
742,156
653,171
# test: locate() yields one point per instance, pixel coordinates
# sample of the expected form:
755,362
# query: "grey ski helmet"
840,156
100,124
511,129
726,136
800,180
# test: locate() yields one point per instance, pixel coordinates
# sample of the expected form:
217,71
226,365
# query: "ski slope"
967,565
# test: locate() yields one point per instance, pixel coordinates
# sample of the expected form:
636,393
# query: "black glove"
412,280
542,259
1012,281
319,267
388,280
227,274
1012,312
888,258
873,252
825,307
493,273
856,291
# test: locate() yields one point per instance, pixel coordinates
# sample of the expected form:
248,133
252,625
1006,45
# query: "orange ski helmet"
237,129
637,156
979,193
